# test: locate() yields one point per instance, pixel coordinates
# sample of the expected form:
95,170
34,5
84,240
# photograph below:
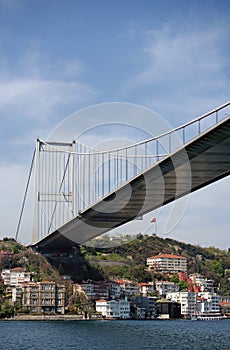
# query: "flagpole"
155,221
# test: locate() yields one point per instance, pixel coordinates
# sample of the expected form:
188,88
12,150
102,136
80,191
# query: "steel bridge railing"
73,177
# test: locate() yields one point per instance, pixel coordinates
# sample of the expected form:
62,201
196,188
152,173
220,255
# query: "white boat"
206,317
210,317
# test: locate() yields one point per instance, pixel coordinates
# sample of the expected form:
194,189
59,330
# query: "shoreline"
92,318
50,318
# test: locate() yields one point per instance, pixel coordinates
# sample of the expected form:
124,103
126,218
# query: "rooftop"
168,256
17,269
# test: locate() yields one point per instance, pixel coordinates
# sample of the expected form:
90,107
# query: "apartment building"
147,305
208,303
15,277
202,303
128,288
187,300
146,288
202,282
43,297
164,287
167,263
98,289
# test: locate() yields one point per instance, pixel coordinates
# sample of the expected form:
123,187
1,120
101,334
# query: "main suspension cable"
25,196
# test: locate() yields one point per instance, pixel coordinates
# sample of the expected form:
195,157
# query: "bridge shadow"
72,265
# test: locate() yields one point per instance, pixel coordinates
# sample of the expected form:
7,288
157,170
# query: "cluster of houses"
35,297
122,299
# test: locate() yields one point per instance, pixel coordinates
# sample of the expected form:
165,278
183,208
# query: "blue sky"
60,56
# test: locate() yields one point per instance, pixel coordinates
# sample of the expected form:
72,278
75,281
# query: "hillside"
126,261
32,262
129,260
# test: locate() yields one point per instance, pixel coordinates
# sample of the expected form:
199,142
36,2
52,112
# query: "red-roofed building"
167,263
146,288
225,308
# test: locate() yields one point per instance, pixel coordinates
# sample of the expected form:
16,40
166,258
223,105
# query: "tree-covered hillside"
126,261
129,260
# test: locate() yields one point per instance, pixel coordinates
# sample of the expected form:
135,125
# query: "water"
111,335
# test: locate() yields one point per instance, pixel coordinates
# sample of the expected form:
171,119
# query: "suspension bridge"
83,192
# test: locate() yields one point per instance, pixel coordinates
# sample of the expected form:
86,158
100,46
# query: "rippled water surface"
109,335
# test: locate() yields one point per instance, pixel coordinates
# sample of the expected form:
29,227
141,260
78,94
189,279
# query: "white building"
198,280
187,301
167,263
208,303
146,288
202,282
164,287
113,308
202,303
15,277
16,293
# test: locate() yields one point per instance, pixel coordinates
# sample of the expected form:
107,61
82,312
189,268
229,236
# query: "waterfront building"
210,285
208,303
15,277
43,297
225,308
144,306
167,263
164,287
167,309
187,300
113,308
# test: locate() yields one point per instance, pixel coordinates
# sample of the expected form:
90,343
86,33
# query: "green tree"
214,269
174,278
79,304
183,285
7,309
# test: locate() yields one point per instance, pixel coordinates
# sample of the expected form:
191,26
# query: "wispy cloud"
38,87
41,98
184,66
191,54
36,93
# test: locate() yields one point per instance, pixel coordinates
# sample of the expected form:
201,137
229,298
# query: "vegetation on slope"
127,261
211,262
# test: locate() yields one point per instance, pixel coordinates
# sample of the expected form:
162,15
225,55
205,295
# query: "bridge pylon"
55,186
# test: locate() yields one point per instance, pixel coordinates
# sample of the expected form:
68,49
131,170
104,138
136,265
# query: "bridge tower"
55,186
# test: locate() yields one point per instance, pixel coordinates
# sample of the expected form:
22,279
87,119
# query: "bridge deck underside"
202,161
